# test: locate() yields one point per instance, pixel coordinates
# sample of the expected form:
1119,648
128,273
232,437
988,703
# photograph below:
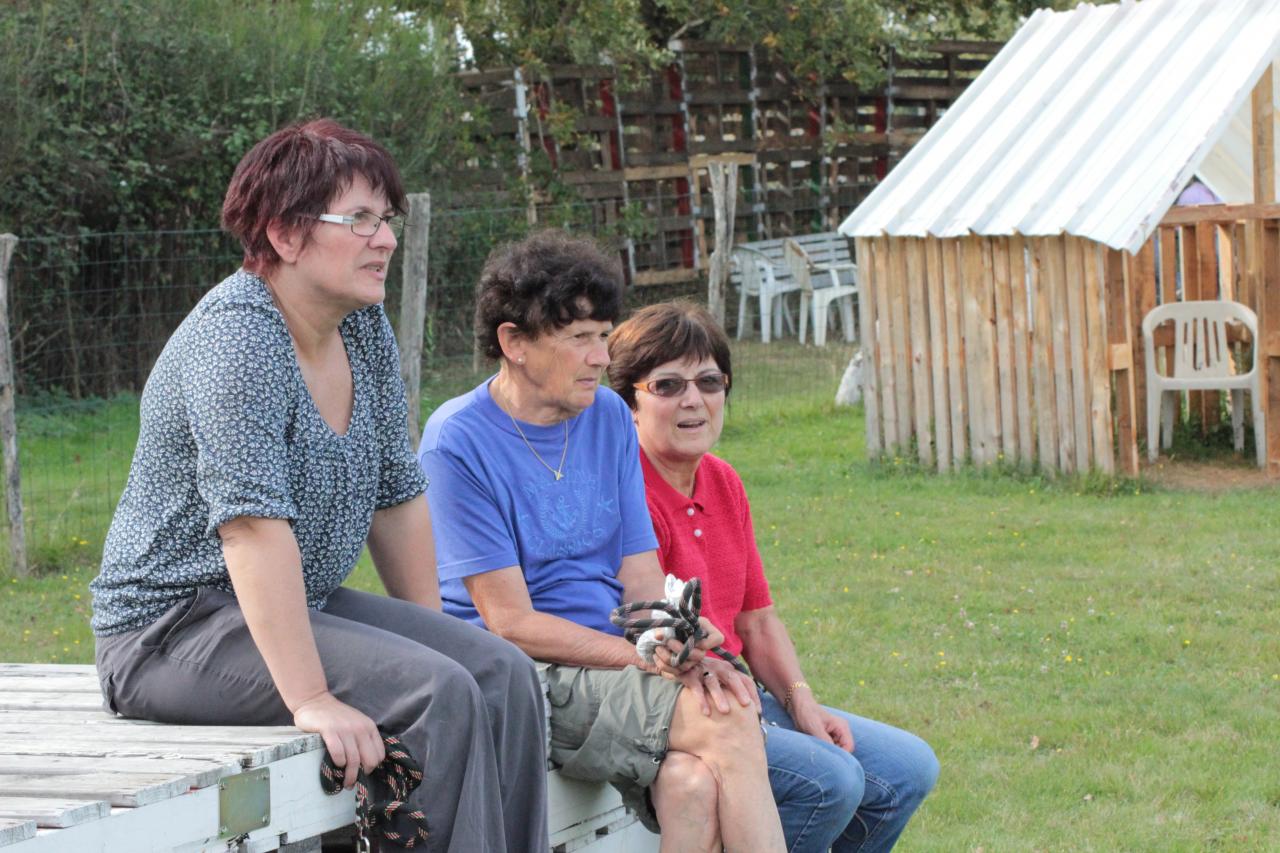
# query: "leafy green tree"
131,114
818,39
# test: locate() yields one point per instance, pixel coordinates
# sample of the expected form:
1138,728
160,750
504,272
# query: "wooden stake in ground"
724,197
8,423
413,304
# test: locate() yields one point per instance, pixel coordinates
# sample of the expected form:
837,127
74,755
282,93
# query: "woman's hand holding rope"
686,638
665,656
351,737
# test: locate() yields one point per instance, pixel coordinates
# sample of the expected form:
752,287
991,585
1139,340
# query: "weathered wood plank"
13,830
1021,344
987,337
126,790
1168,240
1057,278
980,449
247,755
30,700
1119,330
938,352
1227,263
1143,294
195,772
1220,213
1099,369
1005,374
869,331
1169,272
1208,403
160,735
54,813
35,669
1262,111
900,324
953,311
1269,299
921,365
12,684
1080,380
884,347
1042,358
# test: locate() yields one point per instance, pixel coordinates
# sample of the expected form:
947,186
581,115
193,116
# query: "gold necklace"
557,472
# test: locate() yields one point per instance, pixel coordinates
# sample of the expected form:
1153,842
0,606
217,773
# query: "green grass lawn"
1098,668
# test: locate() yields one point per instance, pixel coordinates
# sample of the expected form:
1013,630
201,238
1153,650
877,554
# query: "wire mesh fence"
89,313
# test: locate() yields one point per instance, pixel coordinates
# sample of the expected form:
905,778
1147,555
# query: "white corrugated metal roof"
1088,122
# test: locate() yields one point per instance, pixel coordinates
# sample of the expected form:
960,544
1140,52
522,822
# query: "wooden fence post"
1266,350
1118,284
413,304
8,423
724,197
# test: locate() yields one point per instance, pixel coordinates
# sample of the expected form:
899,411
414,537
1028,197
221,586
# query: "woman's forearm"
404,552
770,653
266,572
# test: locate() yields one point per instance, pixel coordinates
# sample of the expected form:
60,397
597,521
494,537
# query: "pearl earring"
520,360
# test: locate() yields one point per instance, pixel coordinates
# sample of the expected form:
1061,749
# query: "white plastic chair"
1201,362
759,281
823,294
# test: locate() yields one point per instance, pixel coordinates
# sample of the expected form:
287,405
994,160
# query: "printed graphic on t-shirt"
568,517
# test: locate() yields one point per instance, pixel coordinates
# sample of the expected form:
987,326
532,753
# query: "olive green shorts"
611,725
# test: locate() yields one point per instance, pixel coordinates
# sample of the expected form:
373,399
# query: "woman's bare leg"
732,748
685,798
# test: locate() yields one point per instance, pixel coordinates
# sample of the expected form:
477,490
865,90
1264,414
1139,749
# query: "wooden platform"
74,778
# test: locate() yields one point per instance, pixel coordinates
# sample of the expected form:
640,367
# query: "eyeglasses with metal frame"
365,223
673,386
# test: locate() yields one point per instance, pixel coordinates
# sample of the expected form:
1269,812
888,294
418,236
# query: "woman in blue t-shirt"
542,530
273,448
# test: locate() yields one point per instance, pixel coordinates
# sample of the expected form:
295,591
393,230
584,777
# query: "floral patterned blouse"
228,429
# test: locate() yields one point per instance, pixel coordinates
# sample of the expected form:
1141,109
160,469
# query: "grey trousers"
466,703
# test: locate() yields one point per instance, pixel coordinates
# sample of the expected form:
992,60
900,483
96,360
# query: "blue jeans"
831,800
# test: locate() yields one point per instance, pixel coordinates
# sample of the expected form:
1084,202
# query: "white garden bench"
759,270
74,779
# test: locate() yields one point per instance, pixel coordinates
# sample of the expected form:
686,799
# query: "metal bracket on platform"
244,802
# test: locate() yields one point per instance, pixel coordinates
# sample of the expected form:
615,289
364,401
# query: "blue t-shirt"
229,429
494,505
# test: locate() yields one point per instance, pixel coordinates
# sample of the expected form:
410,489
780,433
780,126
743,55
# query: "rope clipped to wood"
682,610
392,817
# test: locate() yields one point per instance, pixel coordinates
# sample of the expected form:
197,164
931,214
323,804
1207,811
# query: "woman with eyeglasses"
841,782
273,447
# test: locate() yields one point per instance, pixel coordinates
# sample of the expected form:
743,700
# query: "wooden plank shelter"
1045,203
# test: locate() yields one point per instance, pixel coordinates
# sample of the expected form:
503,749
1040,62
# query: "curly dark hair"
660,333
545,282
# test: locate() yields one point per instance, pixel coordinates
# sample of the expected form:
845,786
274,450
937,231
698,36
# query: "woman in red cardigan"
842,782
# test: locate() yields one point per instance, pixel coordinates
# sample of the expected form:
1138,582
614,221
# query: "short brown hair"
291,177
545,282
668,331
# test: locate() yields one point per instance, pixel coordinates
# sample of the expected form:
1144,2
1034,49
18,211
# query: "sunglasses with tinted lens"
673,386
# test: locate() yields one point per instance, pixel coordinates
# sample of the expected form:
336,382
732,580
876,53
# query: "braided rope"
393,817
681,619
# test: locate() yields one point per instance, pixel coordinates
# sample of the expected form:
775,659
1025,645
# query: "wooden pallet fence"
627,145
